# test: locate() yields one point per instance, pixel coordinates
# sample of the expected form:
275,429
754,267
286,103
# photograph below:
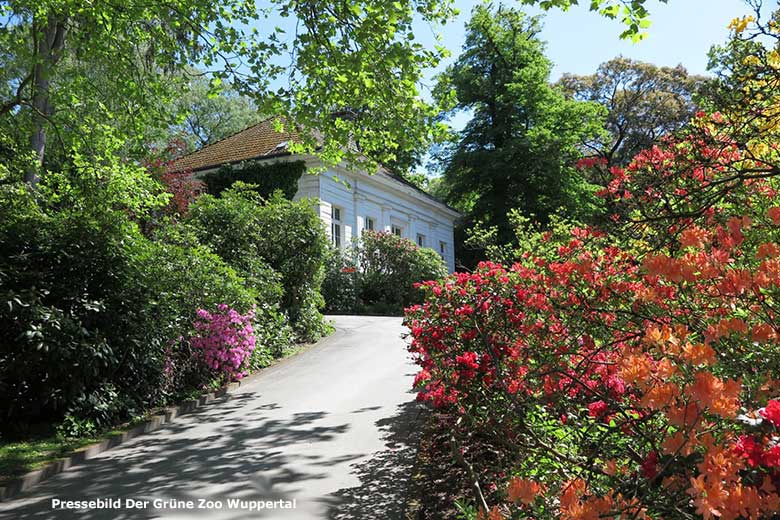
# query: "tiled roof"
259,141
256,142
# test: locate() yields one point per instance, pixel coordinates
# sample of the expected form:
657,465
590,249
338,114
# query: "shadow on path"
231,458
385,477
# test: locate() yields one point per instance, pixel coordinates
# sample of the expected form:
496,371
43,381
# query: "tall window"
396,230
335,226
369,224
420,240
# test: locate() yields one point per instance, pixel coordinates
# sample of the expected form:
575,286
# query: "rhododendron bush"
225,341
631,371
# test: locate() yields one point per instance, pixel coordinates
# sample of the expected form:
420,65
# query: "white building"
349,201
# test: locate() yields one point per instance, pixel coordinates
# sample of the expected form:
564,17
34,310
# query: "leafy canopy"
518,149
349,69
632,13
645,102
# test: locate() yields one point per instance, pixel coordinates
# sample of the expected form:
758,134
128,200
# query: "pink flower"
225,341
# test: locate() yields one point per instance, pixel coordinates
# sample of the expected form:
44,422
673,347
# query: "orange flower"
698,354
610,467
763,333
660,396
523,490
767,251
494,514
694,236
635,369
677,444
682,416
573,490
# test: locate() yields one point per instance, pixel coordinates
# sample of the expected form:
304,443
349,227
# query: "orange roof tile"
256,142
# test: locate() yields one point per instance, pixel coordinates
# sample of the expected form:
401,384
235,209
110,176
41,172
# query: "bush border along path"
17,485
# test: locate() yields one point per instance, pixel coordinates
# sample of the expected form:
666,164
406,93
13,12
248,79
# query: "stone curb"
167,415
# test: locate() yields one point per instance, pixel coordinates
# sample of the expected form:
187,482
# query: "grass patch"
18,458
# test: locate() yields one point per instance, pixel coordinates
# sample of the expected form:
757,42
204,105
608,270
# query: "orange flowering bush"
631,371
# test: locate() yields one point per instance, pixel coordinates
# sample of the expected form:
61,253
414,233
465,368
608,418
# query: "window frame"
394,227
335,226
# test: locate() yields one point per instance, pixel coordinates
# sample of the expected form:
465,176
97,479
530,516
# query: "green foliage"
644,102
390,266
341,283
519,148
123,64
264,178
287,236
90,306
209,115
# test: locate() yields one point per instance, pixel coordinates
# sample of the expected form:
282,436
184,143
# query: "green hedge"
287,236
265,178
88,311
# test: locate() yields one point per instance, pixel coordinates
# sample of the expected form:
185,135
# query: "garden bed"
437,482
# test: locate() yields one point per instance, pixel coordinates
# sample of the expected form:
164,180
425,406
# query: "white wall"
380,197
389,202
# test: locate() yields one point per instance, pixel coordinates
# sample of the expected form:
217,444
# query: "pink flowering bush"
225,340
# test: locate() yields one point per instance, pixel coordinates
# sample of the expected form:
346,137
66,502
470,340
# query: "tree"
209,116
644,103
518,149
359,53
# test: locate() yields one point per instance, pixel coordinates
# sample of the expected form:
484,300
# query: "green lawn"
17,458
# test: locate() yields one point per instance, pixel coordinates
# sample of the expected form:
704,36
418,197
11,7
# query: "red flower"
597,408
772,457
772,413
748,448
650,465
774,214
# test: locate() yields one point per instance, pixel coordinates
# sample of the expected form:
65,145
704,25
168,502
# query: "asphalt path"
331,429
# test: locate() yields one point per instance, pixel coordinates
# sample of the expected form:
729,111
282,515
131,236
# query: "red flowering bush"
631,371
181,185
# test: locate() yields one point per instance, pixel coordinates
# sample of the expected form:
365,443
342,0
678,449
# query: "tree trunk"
48,42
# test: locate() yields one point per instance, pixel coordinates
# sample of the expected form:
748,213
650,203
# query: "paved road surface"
329,428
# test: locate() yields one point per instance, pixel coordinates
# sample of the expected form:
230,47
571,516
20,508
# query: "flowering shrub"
390,266
225,340
181,185
341,284
632,371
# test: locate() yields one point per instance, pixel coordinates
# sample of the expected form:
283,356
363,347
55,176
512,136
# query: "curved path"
329,428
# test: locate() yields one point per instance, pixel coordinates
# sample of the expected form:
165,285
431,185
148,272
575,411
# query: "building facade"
348,202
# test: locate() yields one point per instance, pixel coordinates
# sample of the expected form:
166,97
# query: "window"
335,226
396,230
420,240
369,224
442,248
